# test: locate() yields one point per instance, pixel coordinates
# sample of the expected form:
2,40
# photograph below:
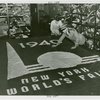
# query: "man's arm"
60,40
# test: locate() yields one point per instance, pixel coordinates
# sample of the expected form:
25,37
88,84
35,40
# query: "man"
69,32
55,25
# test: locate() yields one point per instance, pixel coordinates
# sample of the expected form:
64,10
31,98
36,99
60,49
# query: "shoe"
54,46
73,47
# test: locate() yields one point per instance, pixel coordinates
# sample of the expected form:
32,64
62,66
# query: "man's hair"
58,17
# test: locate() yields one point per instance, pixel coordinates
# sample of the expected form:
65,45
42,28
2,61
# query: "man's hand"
55,45
73,47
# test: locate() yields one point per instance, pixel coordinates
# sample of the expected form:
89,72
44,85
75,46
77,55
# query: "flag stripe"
89,57
29,67
39,69
89,62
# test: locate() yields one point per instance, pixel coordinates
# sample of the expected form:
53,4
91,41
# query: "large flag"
34,67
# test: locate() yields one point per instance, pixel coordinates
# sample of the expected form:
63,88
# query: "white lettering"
77,71
35,87
82,77
61,73
84,69
22,45
53,41
32,44
57,82
24,81
46,86
91,75
34,79
69,73
97,73
24,89
67,80
44,42
44,77
12,91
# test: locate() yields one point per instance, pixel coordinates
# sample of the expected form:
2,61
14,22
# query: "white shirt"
54,27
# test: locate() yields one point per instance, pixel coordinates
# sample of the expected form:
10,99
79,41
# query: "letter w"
12,91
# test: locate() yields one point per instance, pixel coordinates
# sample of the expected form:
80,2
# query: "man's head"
58,17
63,19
